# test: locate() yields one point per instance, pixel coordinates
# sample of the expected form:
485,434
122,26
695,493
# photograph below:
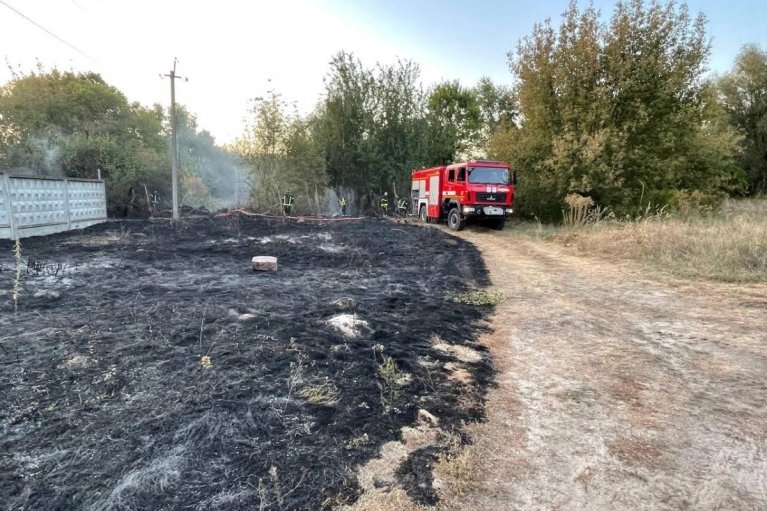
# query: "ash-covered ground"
148,367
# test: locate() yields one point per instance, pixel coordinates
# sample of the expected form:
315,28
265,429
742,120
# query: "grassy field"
729,245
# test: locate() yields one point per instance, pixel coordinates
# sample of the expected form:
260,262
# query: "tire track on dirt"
618,389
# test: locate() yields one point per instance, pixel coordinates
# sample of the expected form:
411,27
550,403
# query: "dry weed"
730,246
324,393
577,212
480,297
456,471
462,353
395,499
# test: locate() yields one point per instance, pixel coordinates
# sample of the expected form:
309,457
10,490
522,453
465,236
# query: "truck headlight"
509,211
468,210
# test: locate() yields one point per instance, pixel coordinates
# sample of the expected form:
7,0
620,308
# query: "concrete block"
264,263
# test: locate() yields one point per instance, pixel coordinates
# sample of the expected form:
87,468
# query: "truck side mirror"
514,177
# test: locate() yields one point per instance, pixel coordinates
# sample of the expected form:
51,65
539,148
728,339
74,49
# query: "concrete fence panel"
31,206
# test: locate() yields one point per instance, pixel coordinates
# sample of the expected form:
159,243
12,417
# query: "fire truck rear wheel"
422,214
454,220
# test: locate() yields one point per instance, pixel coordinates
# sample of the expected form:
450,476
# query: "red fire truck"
474,190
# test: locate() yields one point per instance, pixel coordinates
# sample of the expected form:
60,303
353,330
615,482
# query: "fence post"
6,184
66,204
104,191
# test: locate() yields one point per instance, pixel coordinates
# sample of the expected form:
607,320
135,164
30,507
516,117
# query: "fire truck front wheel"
422,214
454,220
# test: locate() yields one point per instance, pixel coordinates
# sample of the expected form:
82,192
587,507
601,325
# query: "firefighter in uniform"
385,203
287,203
342,204
402,207
130,206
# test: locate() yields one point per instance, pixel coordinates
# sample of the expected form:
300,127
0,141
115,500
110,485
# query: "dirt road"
618,389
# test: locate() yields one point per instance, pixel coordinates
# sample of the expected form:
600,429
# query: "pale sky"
230,50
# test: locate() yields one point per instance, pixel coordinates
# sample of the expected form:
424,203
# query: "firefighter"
402,207
342,204
130,206
287,203
385,203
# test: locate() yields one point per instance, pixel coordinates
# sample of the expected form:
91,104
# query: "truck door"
460,185
434,196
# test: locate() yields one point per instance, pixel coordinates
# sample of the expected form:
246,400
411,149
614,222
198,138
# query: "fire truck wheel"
454,220
422,214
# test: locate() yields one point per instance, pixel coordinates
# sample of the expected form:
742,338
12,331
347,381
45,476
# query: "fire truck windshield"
494,175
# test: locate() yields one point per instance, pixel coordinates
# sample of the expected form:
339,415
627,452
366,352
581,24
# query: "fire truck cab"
474,190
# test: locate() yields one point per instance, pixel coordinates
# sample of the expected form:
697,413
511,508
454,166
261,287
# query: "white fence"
32,206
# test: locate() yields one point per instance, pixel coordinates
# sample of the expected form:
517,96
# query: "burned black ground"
106,403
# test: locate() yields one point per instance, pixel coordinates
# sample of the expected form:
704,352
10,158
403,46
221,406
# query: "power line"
77,4
47,31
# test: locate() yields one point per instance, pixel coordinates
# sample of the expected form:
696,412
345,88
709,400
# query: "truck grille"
491,197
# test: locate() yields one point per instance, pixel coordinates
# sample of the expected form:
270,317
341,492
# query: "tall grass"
729,245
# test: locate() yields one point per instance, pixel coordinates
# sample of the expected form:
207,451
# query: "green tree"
743,94
616,111
305,163
372,126
455,118
396,142
262,148
71,124
347,117
498,110
282,152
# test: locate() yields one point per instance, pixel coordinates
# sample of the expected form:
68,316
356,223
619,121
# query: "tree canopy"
617,111
71,124
743,93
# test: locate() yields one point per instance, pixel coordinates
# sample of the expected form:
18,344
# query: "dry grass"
479,297
462,353
457,472
577,211
730,246
323,393
394,500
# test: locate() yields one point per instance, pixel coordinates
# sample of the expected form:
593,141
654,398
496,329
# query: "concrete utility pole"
173,141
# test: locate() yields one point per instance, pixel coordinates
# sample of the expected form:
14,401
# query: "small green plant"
480,297
390,378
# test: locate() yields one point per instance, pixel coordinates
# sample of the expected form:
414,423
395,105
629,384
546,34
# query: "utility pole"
173,140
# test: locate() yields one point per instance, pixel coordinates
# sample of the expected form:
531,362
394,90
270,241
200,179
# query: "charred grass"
155,370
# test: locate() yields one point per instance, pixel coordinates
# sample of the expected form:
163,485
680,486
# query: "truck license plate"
490,210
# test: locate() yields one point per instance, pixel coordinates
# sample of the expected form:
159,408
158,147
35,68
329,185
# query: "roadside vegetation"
618,107
728,243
